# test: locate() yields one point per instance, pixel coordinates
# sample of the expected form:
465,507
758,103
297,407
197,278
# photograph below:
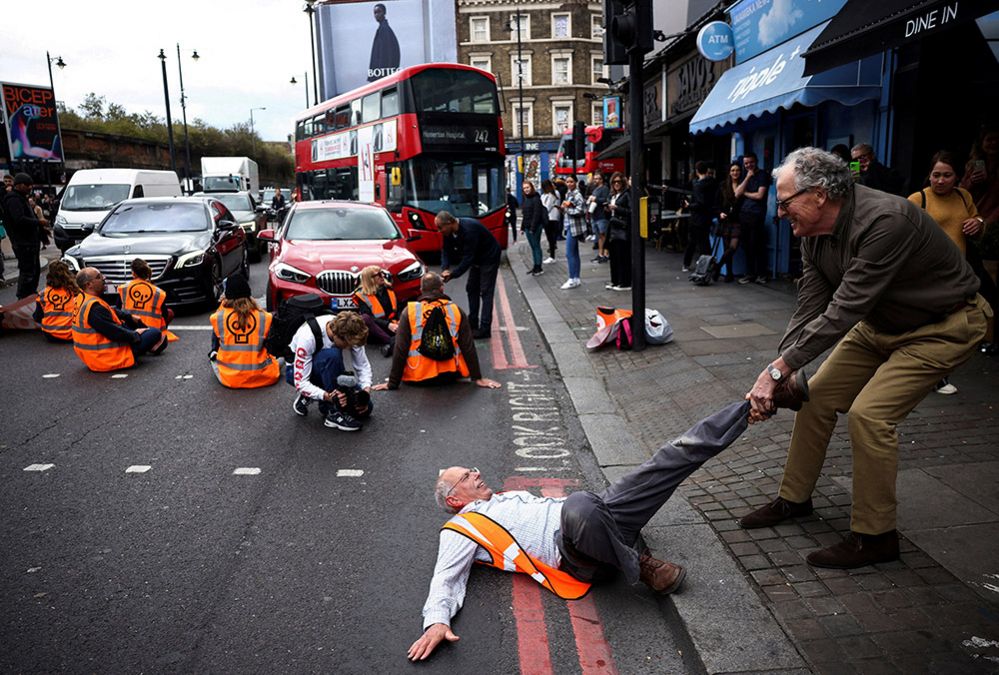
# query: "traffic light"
579,145
627,27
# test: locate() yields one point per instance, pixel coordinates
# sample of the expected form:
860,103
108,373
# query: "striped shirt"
533,522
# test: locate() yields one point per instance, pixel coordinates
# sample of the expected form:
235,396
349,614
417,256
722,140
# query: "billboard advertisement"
29,115
360,42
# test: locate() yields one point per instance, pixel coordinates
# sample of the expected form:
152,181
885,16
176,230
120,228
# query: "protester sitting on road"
885,287
411,364
563,543
146,301
58,303
106,338
377,305
331,366
467,246
238,357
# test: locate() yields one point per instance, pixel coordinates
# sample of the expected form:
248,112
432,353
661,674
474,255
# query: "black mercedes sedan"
191,243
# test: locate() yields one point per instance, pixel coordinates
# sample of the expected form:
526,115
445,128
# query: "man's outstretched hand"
432,636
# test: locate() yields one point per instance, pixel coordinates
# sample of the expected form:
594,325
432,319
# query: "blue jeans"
534,239
572,254
327,365
147,340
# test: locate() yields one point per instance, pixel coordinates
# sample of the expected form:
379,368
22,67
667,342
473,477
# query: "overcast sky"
249,51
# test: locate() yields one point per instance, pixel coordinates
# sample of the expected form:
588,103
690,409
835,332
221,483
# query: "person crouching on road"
58,302
144,300
105,338
238,356
410,365
377,305
331,366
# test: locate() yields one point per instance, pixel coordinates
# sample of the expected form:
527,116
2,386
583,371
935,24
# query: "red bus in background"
428,138
598,139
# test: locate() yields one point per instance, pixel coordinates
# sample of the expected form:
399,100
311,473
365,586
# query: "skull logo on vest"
241,334
140,295
57,300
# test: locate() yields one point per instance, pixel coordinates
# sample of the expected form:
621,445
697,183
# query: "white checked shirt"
533,522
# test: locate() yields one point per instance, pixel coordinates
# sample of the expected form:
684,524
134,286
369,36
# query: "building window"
596,26
524,26
561,69
598,113
597,66
526,72
561,26
524,120
561,117
479,28
481,62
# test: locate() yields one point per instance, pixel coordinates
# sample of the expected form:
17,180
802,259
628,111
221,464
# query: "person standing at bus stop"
470,247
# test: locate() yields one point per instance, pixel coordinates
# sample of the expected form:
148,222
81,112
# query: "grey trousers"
598,531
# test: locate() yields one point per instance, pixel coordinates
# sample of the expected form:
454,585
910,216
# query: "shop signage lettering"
761,78
932,19
692,82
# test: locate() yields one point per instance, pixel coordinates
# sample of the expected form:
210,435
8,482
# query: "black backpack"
436,342
706,267
290,317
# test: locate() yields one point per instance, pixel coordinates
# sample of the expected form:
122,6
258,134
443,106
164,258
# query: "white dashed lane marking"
119,376
49,376
246,471
38,467
138,468
349,473
183,377
176,327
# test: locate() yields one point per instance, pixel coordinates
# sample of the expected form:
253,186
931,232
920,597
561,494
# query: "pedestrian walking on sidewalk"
574,208
533,219
551,199
885,287
25,232
619,233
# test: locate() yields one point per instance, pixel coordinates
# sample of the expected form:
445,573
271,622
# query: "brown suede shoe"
792,391
857,550
775,512
661,576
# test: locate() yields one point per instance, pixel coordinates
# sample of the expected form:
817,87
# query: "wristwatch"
774,372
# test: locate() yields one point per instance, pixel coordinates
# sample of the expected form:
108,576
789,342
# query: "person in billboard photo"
384,48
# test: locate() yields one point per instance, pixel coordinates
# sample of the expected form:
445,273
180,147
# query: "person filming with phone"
868,171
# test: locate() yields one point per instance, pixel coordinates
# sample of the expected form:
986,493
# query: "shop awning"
775,79
864,27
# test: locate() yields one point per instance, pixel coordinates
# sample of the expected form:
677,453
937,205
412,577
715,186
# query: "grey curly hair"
815,168
442,489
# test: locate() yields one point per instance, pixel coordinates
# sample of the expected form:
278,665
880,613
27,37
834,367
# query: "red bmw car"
322,246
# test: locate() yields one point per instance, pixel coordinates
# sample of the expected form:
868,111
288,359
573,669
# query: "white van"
91,193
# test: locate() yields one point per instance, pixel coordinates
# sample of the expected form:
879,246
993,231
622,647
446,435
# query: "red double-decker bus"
428,138
598,139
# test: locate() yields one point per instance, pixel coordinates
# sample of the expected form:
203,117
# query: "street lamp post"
183,108
311,10
253,134
60,64
166,95
294,81
520,88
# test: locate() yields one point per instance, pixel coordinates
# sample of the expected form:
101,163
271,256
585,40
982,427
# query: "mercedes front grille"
117,268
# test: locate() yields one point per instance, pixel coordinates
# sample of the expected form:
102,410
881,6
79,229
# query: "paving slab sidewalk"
750,602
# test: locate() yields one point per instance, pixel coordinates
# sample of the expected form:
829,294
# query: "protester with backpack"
434,341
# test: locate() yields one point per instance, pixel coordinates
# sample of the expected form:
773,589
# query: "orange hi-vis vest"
144,301
96,351
419,367
507,555
242,360
372,301
58,309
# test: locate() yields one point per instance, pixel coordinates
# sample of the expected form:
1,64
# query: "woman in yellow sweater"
954,210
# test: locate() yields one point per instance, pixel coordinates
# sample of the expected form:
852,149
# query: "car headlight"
60,220
192,259
72,262
286,272
413,271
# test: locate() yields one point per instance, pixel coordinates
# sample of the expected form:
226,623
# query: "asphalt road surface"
168,524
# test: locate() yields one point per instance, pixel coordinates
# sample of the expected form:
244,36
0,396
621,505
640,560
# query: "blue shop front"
529,160
768,106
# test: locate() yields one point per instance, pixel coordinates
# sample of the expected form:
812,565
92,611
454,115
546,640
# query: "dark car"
248,213
191,243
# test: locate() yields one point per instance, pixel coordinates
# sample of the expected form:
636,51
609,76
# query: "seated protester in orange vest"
58,302
144,300
378,307
238,355
106,338
452,352
563,543
331,366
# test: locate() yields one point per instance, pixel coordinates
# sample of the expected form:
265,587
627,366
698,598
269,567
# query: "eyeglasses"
465,476
782,204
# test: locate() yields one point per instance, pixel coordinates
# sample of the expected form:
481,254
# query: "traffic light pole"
636,149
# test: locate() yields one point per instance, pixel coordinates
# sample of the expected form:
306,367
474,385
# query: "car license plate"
342,303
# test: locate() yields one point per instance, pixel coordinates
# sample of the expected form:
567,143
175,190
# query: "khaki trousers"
876,378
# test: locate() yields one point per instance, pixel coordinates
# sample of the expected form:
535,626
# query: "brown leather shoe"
792,391
857,550
775,512
661,576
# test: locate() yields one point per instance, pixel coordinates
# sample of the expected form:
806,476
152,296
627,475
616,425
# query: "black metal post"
520,96
310,10
169,122
636,138
183,108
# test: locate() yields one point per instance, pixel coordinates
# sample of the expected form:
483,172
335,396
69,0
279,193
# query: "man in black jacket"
470,247
873,173
25,231
703,208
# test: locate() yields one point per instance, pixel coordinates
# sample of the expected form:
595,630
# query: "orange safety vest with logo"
419,367
144,301
375,305
58,309
242,360
509,556
96,351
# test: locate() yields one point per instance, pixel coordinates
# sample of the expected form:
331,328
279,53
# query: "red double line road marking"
517,357
594,652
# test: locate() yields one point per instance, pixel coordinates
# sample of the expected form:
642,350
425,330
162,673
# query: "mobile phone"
979,165
855,167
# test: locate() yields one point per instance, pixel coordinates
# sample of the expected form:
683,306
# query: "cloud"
776,23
